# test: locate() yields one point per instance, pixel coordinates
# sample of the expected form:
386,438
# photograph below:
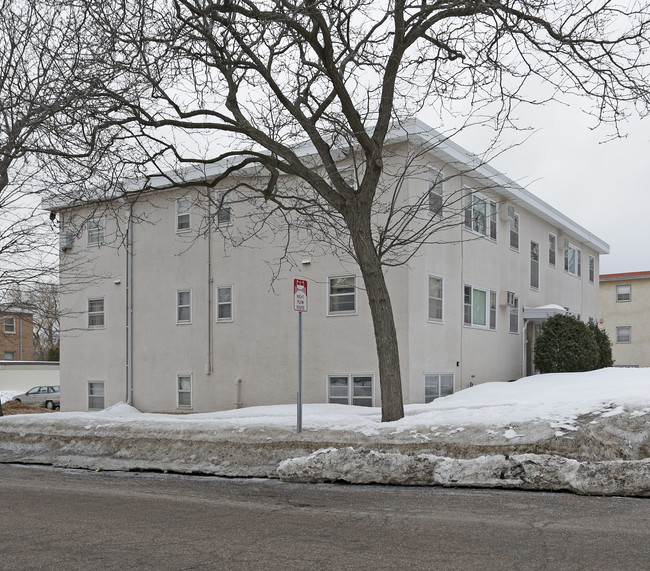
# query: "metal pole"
299,371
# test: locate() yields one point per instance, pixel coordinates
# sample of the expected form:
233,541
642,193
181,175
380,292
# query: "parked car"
48,396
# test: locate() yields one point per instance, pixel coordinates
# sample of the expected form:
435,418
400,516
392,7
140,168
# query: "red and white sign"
300,295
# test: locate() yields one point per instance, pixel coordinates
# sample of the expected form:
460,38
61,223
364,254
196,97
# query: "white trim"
350,377
220,197
328,294
102,312
491,210
13,324
439,375
180,375
217,304
530,267
442,299
103,383
548,250
178,306
621,327
187,213
489,295
629,294
98,223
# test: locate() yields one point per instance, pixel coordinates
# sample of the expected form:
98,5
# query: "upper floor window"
96,312
534,265
224,211
481,214
623,293
480,307
10,324
224,303
514,316
552,247
573,260
95,229
435,191
592,269
184,306
342,298
435,298
514,228
183,214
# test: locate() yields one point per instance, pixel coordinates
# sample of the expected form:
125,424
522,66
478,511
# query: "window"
514,316
184,306
350,389
481,214
438,385
552,245
184,390
183,214
592,269
96,313
95,227
342,295
623,293
349,175
514,229
534,265
624,334
10,324
573,260
480,307
435,298
10,355
435,191
224,212
96,395
224,303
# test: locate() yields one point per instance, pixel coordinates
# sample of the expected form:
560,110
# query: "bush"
566,345
604,345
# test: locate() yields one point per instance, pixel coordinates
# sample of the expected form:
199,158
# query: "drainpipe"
20,331
129,305
210,280
238,402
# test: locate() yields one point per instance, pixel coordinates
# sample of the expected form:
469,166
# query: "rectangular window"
514,229
480,307
438,385
534,265
184,306
95,230
349,175
435,191
225,303
96,312
573,260
183,214
96,399
184,390
342,295
480,214
624,334
435,298
552,246
10,355
10,324
514,316
592,269
224,211
350,389
623,293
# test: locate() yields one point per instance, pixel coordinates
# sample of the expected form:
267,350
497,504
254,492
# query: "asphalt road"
71,519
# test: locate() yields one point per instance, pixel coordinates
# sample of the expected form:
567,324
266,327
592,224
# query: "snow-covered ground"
490,434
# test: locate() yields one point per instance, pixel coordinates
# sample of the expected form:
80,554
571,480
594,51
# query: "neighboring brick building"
625,308
16,333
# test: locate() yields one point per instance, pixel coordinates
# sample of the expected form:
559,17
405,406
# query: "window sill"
341,314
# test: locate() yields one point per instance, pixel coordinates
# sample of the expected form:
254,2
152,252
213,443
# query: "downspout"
129,306
20,331
210,280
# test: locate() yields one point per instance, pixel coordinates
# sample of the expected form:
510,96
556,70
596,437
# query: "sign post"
299,305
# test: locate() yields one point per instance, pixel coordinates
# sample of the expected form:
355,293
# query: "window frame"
95,230
619,295
90,313
222,204
218,304
514,232
619,330
332,313
513,312
90,396
180,391
430,298
180,306
490,307
11,357
471,197
534,265
12,329
435,191
592,269
552,251
429,377
185,212
350,389
577,260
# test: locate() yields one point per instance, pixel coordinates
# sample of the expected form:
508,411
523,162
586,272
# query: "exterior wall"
633,313
22,376
20,342
252,360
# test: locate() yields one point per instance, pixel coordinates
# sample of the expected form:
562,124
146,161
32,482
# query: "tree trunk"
390,379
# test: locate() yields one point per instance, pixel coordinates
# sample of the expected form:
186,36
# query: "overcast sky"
603,186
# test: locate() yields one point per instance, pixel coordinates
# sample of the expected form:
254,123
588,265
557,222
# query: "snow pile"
6,396
586,428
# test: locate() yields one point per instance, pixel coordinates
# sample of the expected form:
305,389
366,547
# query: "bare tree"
271,75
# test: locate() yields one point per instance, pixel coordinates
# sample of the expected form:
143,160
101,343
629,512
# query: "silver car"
48,396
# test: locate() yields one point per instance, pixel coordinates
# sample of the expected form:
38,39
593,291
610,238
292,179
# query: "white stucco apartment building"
179,320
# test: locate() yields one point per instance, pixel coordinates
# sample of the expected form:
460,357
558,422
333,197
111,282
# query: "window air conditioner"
65,241
508,298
